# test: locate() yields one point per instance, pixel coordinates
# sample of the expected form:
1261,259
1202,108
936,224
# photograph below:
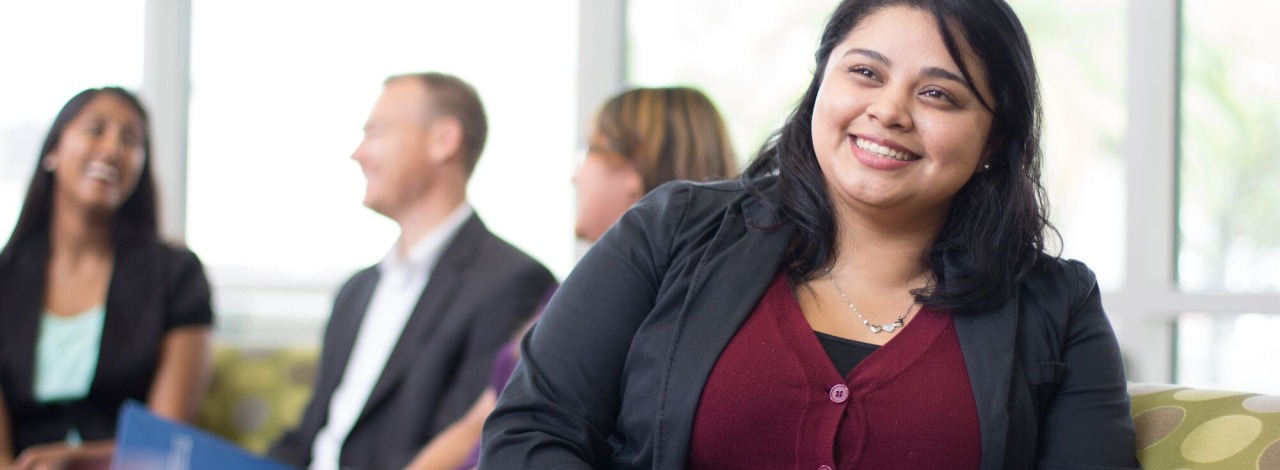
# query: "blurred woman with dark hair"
95,308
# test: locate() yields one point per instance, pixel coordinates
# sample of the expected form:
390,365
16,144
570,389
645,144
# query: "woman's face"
607,186
99,157
894,126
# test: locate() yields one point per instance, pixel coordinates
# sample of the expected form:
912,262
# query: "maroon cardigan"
775,400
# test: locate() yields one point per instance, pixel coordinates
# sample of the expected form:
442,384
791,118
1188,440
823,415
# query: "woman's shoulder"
174,258
709,200
709,193
1058,284
1058,270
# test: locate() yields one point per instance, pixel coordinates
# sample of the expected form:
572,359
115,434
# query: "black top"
845,353
154,289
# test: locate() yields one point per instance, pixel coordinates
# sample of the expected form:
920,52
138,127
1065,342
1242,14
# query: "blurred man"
412,339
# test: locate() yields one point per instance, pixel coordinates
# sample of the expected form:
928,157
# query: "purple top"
504,364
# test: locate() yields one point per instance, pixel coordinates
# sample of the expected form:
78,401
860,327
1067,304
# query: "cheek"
834,114
381,152
136,162
592,193
825,113
600,200
960,143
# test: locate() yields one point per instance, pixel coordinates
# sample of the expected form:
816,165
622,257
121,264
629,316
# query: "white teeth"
883,151
102,172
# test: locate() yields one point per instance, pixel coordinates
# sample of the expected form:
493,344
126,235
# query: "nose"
358,154
891,108
112,145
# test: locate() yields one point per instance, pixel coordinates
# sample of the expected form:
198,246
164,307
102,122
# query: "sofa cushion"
1181,427
257,394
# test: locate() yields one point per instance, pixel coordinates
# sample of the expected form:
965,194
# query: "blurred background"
1162,137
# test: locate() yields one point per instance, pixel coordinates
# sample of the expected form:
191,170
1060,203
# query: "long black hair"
995,231
135,219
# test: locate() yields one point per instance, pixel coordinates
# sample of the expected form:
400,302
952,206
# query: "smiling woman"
761,323
96,309
911,129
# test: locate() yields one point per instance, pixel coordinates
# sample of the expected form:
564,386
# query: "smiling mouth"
102,172
882,151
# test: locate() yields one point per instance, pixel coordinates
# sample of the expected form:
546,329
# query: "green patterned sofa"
1187,428
257,394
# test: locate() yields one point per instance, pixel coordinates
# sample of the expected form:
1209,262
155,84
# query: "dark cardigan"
612,374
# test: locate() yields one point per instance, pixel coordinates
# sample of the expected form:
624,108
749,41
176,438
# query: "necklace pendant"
885,328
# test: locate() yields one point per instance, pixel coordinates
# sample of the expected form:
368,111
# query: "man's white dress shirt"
401,281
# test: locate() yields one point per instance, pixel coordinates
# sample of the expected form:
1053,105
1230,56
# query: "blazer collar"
729,281
988,339
447,279
137,287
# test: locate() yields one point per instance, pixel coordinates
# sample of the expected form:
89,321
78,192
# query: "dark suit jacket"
154,289
481,291
612,374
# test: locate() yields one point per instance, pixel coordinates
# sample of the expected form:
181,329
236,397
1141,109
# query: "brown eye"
939,95
865,72
94,128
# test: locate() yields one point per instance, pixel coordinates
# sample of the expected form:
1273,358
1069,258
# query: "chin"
373,205
586,235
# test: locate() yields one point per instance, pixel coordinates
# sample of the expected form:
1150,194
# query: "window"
753,58
1228,351
274,201
1080,55
1229,129
1228,201
48,55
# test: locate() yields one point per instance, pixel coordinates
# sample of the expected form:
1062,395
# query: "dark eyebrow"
945,74
871,54
935,72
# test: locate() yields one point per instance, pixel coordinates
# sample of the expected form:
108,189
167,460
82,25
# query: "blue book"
145,441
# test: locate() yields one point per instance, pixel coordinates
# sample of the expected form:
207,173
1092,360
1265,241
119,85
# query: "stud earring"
49,164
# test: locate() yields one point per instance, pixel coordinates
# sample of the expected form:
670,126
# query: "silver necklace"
887,327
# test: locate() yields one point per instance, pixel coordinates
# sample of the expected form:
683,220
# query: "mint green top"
67,354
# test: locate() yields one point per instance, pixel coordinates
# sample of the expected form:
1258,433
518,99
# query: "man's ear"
444,139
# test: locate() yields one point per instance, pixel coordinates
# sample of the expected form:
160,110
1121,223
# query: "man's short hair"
450,96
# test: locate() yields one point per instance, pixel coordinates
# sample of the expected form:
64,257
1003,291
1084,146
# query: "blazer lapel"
134,270
341,334
987,340
441,289
730,279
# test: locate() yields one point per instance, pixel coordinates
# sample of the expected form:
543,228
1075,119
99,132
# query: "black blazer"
154,289
612,374
480,293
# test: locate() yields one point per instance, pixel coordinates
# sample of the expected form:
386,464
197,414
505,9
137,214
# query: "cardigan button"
825,467
838,394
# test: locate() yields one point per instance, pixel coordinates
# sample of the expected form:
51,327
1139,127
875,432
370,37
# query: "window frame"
1144,308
